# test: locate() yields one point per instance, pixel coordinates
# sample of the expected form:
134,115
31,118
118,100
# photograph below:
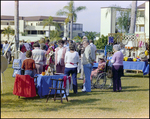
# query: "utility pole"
133,17
16,21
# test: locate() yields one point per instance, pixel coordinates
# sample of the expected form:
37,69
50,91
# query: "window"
41,32
142,13
81,27
79,34
77,26
74,27
142,29
28,32
31,24
33,32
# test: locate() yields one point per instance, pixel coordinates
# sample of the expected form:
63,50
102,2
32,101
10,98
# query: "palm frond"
61,13
67,20
66,8
80,8
74,17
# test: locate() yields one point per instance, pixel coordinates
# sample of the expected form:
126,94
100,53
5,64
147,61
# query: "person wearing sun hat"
100,68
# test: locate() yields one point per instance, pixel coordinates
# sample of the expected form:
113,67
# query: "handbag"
109,73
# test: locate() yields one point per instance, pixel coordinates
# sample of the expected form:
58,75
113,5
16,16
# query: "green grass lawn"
133,101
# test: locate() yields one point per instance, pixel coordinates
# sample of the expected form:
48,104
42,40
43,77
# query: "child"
28,64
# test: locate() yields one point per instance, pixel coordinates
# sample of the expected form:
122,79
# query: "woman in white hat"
100,68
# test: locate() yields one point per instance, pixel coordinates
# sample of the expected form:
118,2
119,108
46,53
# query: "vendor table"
129,65
44,82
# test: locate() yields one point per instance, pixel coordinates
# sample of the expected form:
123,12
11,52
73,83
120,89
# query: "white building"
108,23
33,25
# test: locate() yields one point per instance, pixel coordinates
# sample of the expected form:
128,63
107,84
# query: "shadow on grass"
84,104
134,90
136,75
6,94
126,89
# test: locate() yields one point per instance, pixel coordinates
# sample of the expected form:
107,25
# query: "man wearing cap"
88,61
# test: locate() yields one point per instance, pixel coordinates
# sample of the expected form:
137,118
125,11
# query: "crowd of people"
67,57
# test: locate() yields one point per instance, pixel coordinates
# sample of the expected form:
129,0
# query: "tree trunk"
49,33
16,19
133,16
71,29
8,37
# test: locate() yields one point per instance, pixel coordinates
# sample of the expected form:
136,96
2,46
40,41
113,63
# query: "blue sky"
90,18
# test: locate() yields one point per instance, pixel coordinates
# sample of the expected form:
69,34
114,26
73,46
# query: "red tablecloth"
24,86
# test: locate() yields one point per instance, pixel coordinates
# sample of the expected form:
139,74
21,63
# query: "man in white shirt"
88,61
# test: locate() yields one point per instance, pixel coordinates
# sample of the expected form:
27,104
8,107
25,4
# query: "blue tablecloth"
136,66
132,66
44,82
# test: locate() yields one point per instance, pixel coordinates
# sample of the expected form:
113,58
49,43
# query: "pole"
1,83
16,20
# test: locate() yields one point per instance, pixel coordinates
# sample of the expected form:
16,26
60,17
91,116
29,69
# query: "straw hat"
101,57
84,37
143,57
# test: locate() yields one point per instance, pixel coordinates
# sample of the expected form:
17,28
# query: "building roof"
33,18
142,6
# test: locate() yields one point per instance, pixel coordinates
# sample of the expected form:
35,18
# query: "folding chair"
57,87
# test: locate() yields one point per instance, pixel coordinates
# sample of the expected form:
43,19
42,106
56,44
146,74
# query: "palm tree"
133,16
70,11
49,22
16,19
8,31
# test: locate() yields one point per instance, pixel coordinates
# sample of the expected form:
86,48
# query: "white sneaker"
64,96
84,89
